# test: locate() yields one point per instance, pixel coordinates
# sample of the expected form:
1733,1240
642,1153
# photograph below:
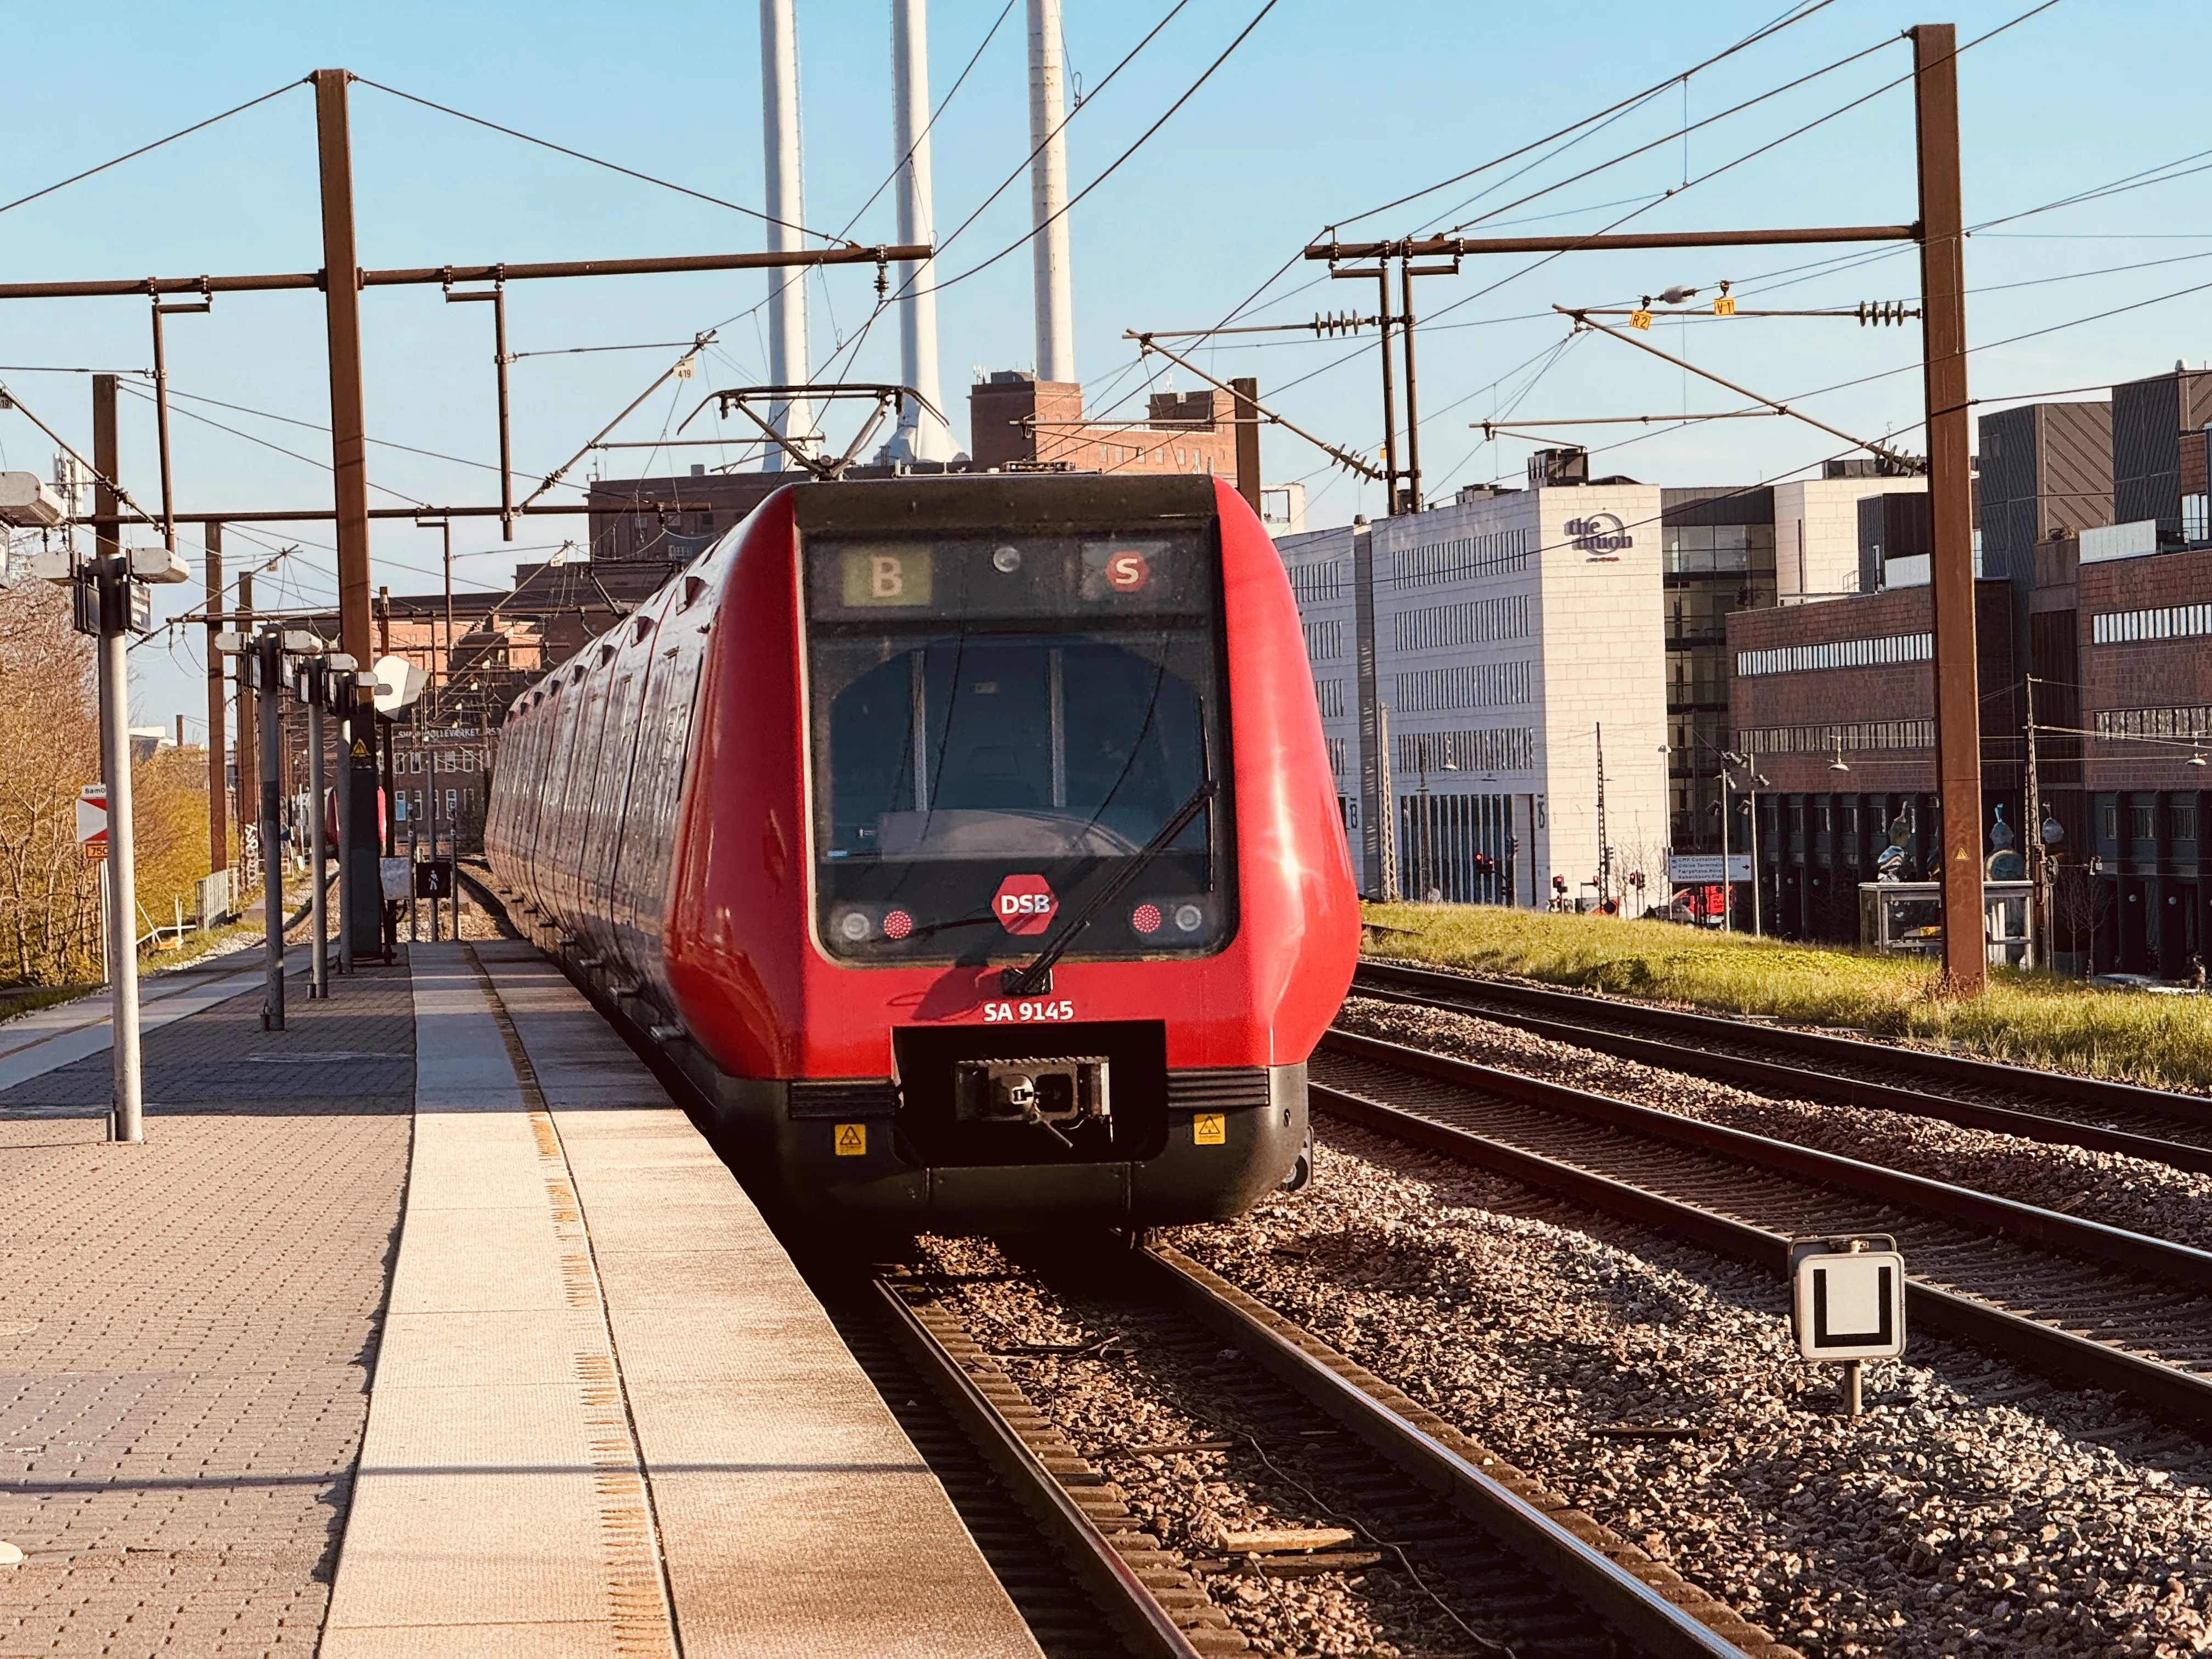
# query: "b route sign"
1847,1297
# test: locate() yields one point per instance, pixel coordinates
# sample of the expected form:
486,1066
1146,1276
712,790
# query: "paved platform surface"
608,1418
49,1038
187,1327
429,1327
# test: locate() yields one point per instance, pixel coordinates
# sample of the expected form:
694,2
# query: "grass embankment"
2031,1018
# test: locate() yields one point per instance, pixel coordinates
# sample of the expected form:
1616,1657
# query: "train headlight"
897,925
1146,918
1188,918
855,926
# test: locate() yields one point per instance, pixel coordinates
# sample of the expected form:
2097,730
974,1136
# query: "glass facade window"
2177,622
1838,653
1708,571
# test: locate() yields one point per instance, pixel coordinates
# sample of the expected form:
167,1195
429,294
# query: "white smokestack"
786,286
921,435
1056,299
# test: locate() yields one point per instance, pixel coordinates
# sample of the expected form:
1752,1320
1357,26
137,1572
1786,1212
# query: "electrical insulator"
1878,314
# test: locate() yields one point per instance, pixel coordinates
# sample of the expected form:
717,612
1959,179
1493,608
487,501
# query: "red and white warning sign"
92,820
1023,904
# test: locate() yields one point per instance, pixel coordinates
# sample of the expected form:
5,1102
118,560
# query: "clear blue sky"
1326,110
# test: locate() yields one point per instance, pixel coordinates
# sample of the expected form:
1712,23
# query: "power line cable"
129,156
597,161
1751,40
930,126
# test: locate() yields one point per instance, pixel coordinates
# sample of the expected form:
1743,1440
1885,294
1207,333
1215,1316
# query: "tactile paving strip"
637,1583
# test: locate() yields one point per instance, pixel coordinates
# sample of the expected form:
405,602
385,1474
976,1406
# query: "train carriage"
969,842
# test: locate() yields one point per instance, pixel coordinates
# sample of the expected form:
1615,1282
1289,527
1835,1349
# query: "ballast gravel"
1146,1420
2119,1191
1972,1510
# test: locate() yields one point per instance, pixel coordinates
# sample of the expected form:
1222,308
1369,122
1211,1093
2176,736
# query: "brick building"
1016,420
499,643
2101,630
1833,706
2146,656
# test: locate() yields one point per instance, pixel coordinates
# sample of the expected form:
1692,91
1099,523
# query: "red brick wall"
1885,691
2143,673
1891,691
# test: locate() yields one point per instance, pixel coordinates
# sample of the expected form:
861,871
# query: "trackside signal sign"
1848,1303
92,820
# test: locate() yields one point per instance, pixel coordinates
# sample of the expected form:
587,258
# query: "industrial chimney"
921,436
1055,302
787,361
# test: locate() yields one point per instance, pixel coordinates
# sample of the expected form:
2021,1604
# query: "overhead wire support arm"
699,343
1343,458
1493,428
1910,463
1424,248
423,276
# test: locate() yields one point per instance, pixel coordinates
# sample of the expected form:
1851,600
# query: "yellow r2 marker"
1209,1129
852,1140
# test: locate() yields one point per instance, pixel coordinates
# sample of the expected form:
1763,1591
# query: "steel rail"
2093,1241
1093,1558
1803,1082
2180,1396
1439,989
1599,1577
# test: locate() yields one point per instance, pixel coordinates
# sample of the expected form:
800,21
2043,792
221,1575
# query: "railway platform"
427,1326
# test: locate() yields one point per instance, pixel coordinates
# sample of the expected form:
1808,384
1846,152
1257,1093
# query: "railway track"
2059,1108
1531,1576
2071,1298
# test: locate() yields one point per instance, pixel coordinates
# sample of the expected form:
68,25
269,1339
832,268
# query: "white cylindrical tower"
920,436
787,361
1055,299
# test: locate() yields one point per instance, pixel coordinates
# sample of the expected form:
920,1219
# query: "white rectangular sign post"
92,820
1847,1302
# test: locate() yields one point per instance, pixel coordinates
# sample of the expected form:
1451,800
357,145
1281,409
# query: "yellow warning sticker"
1210,1128
852,1140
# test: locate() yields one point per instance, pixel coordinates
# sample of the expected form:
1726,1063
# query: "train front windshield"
1000,726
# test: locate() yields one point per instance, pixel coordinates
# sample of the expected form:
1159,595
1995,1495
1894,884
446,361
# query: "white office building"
1510,647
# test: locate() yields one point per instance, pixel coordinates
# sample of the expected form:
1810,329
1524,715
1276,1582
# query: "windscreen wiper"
1036,974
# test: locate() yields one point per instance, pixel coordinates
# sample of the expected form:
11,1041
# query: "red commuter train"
968,841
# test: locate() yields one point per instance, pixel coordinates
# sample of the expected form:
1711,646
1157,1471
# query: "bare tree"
49,747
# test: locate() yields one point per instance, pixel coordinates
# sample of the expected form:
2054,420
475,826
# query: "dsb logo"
1023,904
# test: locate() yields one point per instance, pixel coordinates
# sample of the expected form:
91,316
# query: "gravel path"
1120,1383
2119,1191
1973,1511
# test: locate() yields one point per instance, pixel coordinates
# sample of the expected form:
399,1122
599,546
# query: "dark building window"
2143,823
2110,829
2181,823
